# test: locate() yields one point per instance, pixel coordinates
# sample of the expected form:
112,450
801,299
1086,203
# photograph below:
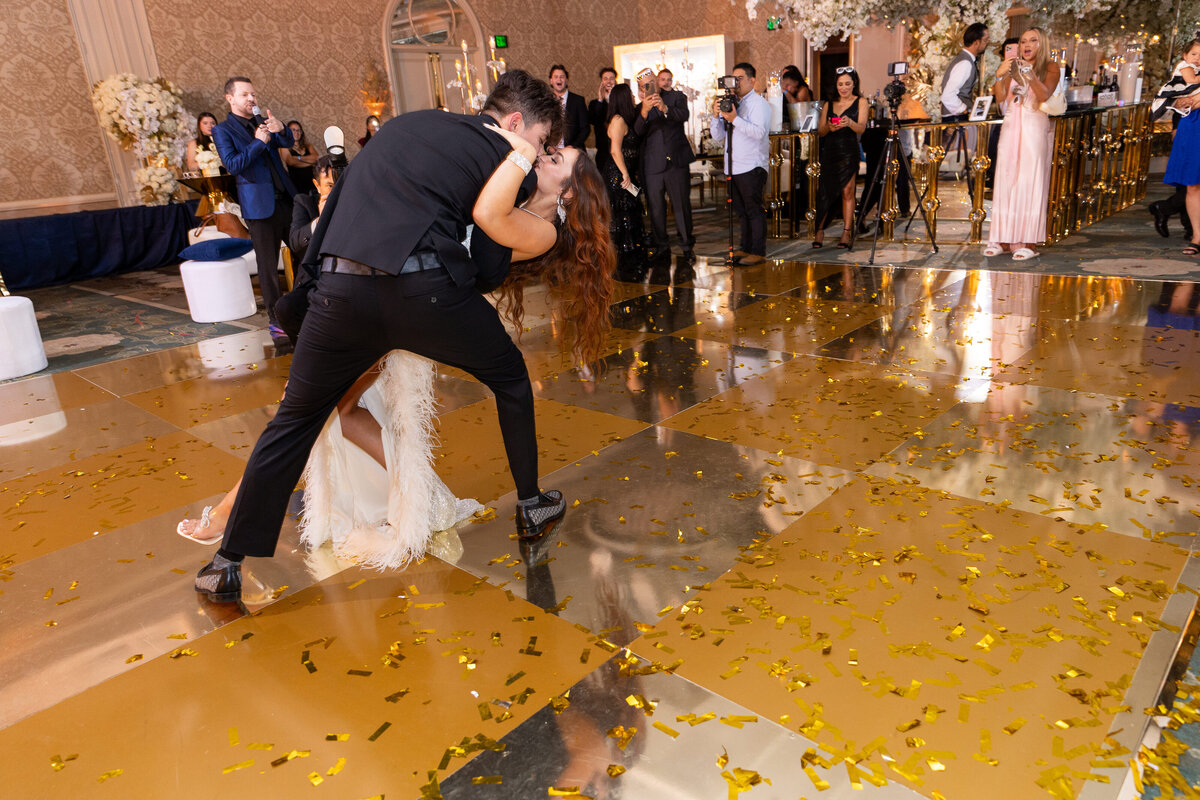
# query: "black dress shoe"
1160,220
535,520
220,585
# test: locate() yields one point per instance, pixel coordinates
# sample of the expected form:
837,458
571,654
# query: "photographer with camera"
747,116
666,154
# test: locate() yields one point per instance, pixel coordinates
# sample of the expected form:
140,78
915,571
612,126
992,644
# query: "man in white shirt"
962,74
751,121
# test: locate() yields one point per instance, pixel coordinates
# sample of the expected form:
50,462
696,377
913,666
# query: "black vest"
967,92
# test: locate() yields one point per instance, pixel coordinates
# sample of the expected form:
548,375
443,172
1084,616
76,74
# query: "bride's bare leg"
358,426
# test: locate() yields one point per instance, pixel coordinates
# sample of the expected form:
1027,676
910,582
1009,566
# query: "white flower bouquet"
208,160
157,185
148,118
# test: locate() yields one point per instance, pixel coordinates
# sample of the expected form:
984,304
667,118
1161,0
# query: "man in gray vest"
962,74
958,93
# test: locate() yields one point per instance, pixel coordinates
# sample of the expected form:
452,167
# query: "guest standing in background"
598,115
204,128
751,121
1023,156
666,156
795,88
372,129
300,158
574,109
249,148
619,169
843,119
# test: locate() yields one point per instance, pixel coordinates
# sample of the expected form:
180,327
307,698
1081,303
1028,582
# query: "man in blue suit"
249,149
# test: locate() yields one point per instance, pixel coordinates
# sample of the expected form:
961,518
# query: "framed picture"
810,122
979,111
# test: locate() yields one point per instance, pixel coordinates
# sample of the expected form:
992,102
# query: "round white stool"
217,291
22,352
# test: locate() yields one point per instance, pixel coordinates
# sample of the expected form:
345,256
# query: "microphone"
257,113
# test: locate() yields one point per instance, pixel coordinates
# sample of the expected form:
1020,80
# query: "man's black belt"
417,262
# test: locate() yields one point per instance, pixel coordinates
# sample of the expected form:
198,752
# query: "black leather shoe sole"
1160,221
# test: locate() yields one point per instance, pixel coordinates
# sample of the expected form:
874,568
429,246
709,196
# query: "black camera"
727,84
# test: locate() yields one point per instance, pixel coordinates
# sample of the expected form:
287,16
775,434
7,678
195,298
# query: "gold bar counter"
1099,164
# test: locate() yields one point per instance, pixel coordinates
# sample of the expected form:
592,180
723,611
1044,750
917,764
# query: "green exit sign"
774,23
501,42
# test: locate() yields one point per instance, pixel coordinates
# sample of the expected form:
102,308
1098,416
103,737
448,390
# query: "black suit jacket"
414,190
664,142
598,117
304,211
577,121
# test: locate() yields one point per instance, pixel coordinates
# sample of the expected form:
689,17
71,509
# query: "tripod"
730,260
891,149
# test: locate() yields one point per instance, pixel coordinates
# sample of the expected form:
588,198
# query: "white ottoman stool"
217,291
22,352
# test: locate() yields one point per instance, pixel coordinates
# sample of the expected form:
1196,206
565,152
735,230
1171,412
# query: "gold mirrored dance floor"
833,531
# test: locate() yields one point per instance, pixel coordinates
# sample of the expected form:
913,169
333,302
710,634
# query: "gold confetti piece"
905,727
615,770
291,755
379,731
48,593
362,673
260,746
394,697
177,636
669,731
336,768
357,583
562,791
307,662
133,658
51,624
112,773
315,778
1014,726
59,763
483,780
237,766
622,734
337,737
182,651
853,659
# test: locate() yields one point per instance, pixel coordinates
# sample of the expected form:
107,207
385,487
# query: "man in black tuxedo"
394,275
666,155
574,109
598,115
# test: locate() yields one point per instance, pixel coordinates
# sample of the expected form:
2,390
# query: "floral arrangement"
208,160
157,185
148,118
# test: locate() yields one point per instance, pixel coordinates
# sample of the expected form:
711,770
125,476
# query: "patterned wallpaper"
50,142
307,60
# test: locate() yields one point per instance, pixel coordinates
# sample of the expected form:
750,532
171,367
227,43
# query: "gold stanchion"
979,166
814,181
936,153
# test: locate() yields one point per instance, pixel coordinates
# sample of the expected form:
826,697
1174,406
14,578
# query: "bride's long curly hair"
578,269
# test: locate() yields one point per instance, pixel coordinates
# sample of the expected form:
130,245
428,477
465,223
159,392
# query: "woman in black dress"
300,158
628,231
843,119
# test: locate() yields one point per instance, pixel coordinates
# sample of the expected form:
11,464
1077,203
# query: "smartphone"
1010,51
834,120
633,190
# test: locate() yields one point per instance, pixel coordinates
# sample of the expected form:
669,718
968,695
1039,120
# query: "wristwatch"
520,160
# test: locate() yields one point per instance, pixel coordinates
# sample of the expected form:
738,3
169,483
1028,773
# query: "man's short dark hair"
517,90
746,67
664,69
974,32
232,82
550,74
603,70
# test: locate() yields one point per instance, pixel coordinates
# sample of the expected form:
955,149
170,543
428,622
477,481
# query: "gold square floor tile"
45,394
470,457
958,647
192,402
836,413
363,683
785,324
60,506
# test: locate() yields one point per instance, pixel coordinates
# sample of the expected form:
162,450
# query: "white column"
113,37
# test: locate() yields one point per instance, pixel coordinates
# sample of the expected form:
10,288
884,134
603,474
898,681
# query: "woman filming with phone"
843,119
628,231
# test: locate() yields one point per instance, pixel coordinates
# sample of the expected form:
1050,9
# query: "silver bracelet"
520,160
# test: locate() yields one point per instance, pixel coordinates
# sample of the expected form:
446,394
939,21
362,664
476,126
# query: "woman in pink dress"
1023,157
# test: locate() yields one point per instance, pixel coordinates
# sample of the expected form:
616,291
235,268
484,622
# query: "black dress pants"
748,203
267,234
354,320
675,182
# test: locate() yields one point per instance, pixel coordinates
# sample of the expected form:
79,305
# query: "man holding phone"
666,154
